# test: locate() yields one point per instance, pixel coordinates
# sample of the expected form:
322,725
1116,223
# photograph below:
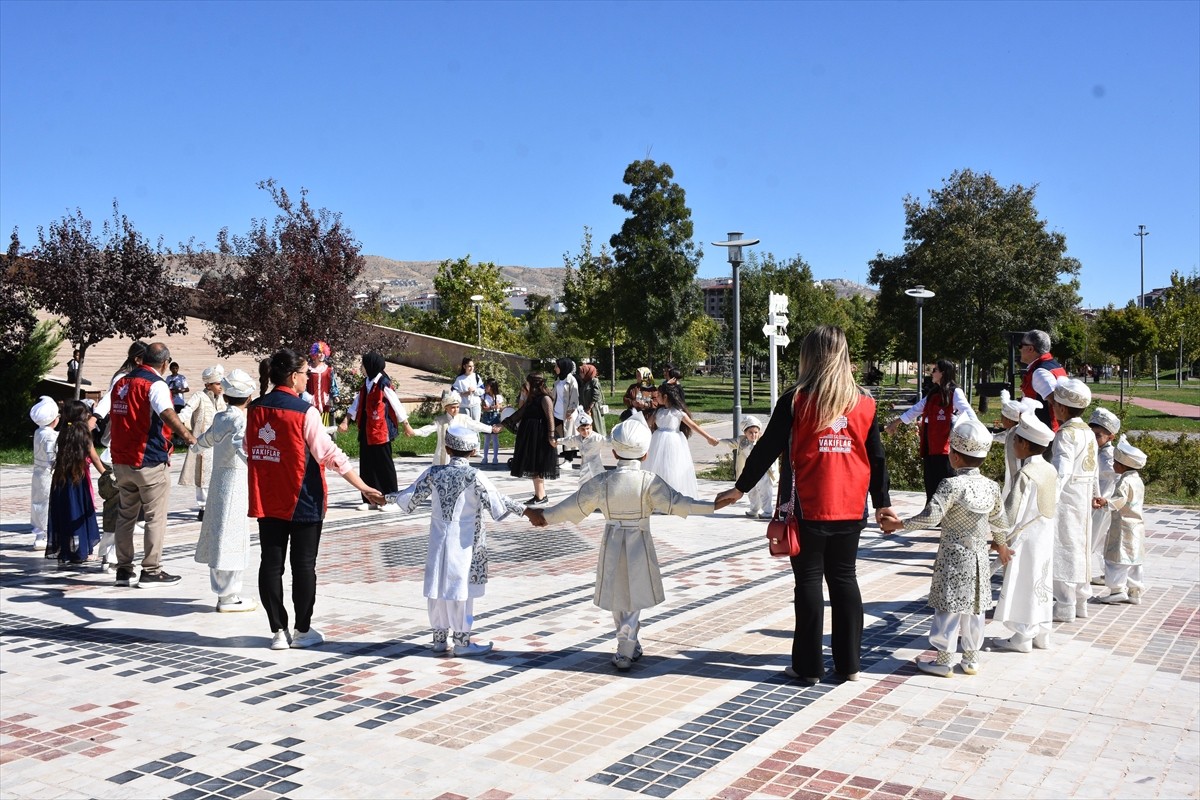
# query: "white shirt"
961,406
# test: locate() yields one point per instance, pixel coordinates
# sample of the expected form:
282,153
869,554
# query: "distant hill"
846,288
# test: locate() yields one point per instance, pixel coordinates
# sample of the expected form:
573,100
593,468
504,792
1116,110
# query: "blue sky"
502,129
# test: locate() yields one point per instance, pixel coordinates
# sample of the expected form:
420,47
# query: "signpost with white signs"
776,332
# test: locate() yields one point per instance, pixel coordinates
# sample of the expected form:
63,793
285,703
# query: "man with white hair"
1042,373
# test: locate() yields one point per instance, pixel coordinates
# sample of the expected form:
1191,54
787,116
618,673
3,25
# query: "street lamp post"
1142,234
735,245
477,299
920,294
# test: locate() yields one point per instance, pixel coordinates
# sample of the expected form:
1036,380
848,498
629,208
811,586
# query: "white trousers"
1066,598
761,497
627,624
201,496
1100,519
453,615
226,583
948,626
1028,630
1124,577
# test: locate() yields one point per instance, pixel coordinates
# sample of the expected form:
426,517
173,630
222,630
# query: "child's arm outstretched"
708,437
930,516
416,493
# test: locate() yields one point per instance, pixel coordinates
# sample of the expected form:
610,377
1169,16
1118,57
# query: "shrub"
22,372
1172,468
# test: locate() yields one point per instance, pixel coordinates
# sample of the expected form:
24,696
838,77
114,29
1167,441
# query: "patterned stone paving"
108,692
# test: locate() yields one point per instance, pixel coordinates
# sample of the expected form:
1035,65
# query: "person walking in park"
1125,550
937,412
143,421
591,397
469,387
834,461
224,543
288,451
177,382
198,414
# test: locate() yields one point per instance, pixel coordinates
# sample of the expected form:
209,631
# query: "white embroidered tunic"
969,509
1126,542
1075,462
1027,596
224,543
627,574
592,449
199,413
456,563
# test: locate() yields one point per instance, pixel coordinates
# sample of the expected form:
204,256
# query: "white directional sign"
769,329
782,340
776,331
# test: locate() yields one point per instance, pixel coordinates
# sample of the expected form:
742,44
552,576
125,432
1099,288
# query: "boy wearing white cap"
224,543
45,415
1010,414
968,507
627,575
1026,604
456,562
451,402
762,496
1105,425
198,414
1126,546
591,447
1074,458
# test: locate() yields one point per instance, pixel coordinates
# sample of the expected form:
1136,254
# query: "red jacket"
377,423
832,469
1044,361
936,421
285,481
139,436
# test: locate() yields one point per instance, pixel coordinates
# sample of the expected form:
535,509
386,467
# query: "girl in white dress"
670,458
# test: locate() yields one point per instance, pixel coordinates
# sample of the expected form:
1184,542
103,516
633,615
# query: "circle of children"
1071,498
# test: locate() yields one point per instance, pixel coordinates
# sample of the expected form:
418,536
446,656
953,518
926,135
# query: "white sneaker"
1041,641
970,667
364,506
1115,597
280,641
1081,608
1013,644
39,543
472,649
934,668
310,638
235,604
622,663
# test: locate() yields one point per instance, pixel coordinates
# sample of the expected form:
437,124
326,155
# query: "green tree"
456,282
103,286
593,314
23,369
286,284
1072,340
539,327
1177,314
1125,333
983,250
656,260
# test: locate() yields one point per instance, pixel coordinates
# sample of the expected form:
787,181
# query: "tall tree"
983,250
1126,333
456,282
1177,314
104,286
656,259
593,313
283,284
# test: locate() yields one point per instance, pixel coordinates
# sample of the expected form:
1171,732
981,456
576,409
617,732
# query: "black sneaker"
539,501
200,515
124,576
157,577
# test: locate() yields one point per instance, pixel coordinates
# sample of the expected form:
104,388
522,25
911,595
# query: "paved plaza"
149,693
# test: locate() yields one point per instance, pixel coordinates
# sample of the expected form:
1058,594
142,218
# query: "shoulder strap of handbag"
790,506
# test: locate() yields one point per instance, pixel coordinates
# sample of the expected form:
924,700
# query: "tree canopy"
106,286
983,250
286,283
593,314
1177,315
456,282
656,260
1126,333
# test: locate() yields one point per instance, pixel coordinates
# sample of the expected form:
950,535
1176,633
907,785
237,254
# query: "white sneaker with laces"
309,638
235,604
280,641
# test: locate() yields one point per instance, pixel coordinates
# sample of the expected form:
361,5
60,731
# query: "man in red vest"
1041,373
142,421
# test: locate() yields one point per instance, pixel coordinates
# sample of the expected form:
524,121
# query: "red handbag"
783,535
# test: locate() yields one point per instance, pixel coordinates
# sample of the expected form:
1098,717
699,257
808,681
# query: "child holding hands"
969,509
1125,549
591,447
45,415
762,496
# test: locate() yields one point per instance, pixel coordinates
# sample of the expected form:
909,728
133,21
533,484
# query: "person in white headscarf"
967,506
198,415
45,415
1074,457
627,575
456,562
224,543
1026,604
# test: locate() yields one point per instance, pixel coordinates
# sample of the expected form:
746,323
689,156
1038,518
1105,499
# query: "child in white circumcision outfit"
762,496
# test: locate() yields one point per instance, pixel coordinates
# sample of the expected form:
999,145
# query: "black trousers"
274,536
832,558
936,468
376,468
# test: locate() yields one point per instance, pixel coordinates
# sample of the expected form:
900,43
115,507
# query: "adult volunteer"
837,452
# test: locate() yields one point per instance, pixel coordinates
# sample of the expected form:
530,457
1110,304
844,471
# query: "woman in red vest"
936,412
834,459
288,449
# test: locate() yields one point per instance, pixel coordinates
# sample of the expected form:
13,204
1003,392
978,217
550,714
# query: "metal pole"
479,325
920,346
1142,234
737,344
774,374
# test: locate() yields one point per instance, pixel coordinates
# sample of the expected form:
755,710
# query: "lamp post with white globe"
920,294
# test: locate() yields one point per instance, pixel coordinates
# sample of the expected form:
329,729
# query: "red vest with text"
139,436
1047,362
936,421
831,468
377,423
320,385
285,481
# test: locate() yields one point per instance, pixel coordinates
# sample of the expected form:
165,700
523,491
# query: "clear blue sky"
501,129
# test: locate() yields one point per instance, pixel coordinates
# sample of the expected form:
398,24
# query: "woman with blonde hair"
826,424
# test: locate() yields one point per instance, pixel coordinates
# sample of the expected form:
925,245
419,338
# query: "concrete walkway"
113,692
1184,410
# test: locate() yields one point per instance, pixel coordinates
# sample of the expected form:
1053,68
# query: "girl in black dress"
535,454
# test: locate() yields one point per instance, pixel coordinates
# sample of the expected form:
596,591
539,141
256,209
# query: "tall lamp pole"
477,299
920,294
735,245
1142,234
